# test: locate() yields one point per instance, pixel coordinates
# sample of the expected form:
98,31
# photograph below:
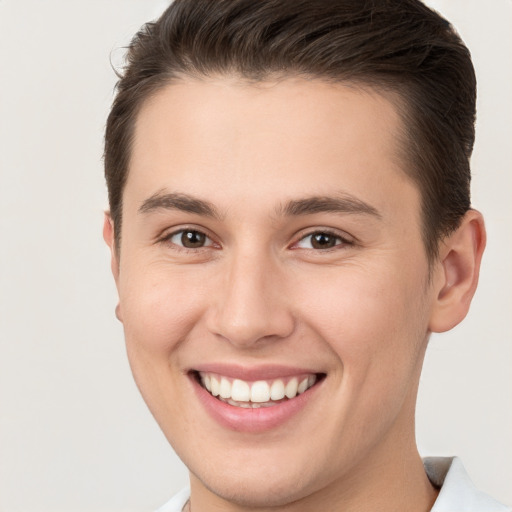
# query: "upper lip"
253,373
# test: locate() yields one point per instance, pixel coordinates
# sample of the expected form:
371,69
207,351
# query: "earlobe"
108,236
119,316
457,272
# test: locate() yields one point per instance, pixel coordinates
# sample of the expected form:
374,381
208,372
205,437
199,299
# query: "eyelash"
167,239
340,241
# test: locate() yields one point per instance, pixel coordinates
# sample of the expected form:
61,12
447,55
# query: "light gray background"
74,433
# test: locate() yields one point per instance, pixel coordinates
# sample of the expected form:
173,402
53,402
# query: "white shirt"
457,493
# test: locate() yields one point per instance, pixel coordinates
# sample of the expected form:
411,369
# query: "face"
271,255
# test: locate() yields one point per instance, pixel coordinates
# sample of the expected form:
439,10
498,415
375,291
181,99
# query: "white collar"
457,493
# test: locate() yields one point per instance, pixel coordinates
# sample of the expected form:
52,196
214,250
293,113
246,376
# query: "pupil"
323,241
192,239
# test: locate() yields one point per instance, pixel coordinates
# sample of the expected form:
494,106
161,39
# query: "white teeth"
248,405
291,388
277,390
225,388
215,386
207,383
303,386
261,393
240,391
245,405
263,404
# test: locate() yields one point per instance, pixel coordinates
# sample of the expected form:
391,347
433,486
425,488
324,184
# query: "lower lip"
252,420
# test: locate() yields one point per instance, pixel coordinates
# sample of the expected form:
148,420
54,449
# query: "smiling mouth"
256,394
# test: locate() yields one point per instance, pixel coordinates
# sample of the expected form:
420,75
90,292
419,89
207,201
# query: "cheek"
160,311
371,320
160,308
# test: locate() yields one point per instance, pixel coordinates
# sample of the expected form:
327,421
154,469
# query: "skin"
259,292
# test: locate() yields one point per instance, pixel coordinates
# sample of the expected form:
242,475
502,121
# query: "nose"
251,306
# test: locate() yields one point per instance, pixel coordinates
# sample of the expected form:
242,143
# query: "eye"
189,239
321,240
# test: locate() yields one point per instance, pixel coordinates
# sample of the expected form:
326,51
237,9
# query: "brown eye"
190,239
323,241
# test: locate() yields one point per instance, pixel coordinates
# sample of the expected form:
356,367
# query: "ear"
108,236
456,274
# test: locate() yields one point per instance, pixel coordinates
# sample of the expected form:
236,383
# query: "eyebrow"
178,201
325,204
345,204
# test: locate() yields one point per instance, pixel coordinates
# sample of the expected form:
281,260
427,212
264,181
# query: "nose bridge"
250,307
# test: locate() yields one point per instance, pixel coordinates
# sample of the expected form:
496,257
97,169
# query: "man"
289,221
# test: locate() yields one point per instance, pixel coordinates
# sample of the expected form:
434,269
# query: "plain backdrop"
74,433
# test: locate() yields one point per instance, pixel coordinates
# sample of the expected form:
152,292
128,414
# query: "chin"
259,481
258,491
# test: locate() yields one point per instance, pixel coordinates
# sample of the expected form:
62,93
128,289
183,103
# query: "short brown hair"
392,45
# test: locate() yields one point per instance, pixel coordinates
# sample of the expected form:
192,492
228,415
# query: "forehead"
213,135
